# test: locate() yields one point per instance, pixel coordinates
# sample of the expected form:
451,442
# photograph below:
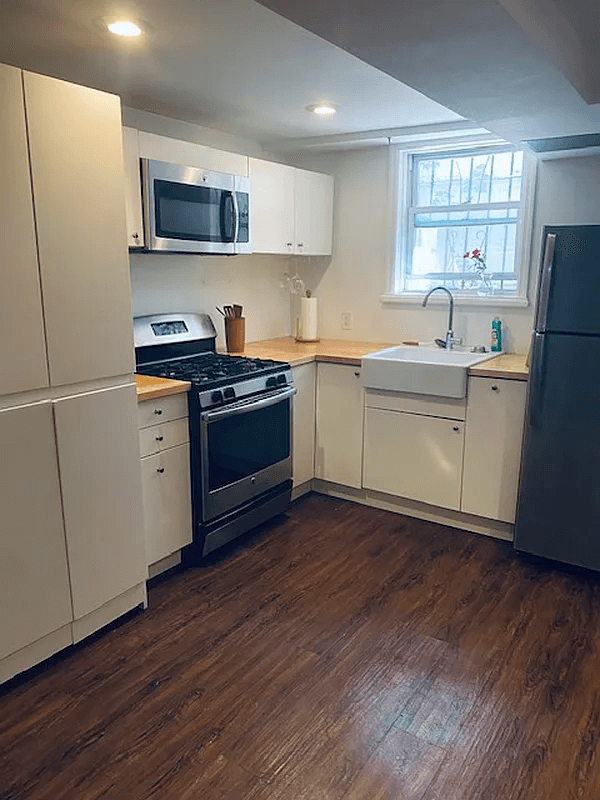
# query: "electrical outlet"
346,320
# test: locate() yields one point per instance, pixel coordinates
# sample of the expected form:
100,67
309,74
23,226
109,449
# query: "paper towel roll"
308,320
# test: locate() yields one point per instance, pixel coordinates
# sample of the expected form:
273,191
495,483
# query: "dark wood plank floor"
342,653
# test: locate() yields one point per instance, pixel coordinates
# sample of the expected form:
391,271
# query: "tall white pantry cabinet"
71,541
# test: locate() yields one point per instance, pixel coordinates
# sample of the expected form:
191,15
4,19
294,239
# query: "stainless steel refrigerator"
558,514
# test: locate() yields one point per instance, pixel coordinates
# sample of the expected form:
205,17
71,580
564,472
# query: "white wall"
171,283
568,192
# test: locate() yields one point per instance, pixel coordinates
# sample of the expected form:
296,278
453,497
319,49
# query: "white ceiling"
521,68
227,64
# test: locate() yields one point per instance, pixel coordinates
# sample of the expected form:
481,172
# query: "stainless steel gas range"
240,417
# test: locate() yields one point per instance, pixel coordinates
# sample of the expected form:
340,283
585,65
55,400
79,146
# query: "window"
460,224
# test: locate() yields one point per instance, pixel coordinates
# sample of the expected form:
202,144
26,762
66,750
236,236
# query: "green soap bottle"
496,335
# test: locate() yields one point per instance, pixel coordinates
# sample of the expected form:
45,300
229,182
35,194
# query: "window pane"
436,219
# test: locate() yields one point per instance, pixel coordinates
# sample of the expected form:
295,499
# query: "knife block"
235,334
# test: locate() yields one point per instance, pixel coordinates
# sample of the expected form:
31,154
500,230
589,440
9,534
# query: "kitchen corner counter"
149,388
507,365
336,351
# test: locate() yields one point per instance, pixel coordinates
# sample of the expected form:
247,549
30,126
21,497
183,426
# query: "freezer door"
569,285
558,514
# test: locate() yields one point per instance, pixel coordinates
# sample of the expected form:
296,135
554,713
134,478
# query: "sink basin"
421,370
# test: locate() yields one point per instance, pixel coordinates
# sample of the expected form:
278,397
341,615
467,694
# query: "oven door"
187,209
246,449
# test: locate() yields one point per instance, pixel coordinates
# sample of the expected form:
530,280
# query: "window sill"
459,300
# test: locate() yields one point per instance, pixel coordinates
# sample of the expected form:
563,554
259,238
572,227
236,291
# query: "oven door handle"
245,406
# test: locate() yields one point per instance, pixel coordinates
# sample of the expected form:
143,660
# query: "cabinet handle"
159,438
357,374
495,388
456,429
300,244
288,244
160,469
135,236
158,411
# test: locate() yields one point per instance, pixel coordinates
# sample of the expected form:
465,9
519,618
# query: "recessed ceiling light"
322,109
124,28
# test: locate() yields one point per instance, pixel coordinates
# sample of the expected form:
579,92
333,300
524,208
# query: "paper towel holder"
299,332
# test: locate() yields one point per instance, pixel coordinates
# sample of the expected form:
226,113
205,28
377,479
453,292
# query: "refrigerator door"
569,286
558,514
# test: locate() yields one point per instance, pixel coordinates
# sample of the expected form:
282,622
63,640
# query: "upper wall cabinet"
22,367
291,210
76,154
175,151
133,188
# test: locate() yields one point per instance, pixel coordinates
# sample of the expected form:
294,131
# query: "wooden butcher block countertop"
149,388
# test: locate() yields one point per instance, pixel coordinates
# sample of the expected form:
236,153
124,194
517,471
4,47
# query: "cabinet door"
338,454
167,502
99,461
271,207
313,194
77,171
495,413
190,154
22,366
34,583
133,188
414,456
303,460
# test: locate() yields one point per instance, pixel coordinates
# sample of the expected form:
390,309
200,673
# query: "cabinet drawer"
157,438
163,409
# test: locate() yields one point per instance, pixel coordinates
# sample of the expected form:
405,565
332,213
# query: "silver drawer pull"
160,470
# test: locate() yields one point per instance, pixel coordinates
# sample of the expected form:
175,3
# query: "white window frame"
401,182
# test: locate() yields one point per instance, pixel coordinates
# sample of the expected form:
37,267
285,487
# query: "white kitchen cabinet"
313,199
76,156
23,351
303,458
176,151
291,210
338,455
100,473
495,414
165,451
414,456
167,502
34,582
133,188
272,225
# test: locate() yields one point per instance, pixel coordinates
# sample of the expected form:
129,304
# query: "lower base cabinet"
303,450
166,488
413,456
339,440
495,416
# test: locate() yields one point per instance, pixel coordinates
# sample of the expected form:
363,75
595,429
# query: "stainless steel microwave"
192,210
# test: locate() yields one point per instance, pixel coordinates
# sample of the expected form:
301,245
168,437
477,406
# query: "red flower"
467,255
476,253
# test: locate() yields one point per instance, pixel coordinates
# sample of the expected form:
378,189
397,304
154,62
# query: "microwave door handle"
227,216
236,216
246,406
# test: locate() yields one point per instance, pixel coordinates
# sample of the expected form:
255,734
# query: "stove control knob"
229,393
281,379
271,382
216,397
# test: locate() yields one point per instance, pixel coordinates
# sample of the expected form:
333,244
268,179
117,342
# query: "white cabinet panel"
102,494
77,170
22,367
271,207
133,188
414,456
34,583
303,459
338,453
313,197
495,414
167,502
176,151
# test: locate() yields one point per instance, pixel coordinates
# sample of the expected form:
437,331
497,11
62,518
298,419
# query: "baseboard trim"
412,508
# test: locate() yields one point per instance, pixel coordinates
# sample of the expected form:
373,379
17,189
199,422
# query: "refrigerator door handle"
538,380
545,280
